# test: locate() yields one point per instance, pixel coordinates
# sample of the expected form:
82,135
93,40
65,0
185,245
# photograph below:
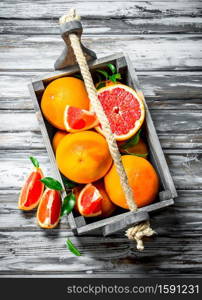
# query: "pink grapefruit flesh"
76,119
124,110
48,213
90,201
31,191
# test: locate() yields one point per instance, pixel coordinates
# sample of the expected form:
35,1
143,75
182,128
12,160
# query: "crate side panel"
152,137
48,144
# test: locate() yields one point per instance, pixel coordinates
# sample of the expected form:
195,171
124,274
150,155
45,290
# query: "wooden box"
123,219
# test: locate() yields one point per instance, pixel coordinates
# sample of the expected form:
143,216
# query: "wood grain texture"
162,256
167,254
173,121
163,39
184,217
163,90
185,167
99,10
24,140
148,52
166,24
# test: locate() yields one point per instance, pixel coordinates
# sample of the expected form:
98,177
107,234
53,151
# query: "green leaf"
132,141
137,154
104,73
112,78
68,183
34,161
79,76
112,68
52,183
100,85
68,204
115,77
72,248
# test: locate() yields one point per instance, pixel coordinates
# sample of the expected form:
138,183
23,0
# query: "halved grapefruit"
31,191
48,212
124,110
76,119
90,201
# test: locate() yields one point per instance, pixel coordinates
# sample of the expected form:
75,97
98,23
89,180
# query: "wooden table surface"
164,41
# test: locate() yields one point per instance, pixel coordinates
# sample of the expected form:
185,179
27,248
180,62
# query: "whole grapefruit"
142,178
140,149
59,93
59,135
83,157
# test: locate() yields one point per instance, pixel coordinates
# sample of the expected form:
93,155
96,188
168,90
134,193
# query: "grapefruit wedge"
90,201
76,119
107,206
31,191
124,110
48,212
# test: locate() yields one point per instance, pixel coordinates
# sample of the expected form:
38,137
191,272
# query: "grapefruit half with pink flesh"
124,110
76,119
90,201
31,191
48,212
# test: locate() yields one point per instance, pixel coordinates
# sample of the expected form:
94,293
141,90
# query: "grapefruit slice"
48,212
31,191
124,110
90,201
76,119
107,206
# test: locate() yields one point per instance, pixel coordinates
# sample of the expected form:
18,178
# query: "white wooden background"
164,41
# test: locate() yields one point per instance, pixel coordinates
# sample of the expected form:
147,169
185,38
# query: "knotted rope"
137,232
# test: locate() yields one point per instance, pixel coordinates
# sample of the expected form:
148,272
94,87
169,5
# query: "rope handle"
143,229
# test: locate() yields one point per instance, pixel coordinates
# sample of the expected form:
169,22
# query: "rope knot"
138,232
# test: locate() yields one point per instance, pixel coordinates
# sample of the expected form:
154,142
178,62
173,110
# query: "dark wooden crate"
124,219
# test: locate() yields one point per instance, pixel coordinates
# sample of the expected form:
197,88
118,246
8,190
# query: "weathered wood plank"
172,121
181,141
178,121
26,249
148,52
15,168
176,129
96,9
163,90
42,253
185,166
24,221
157,88
18,121
26,140
184,218
167,24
